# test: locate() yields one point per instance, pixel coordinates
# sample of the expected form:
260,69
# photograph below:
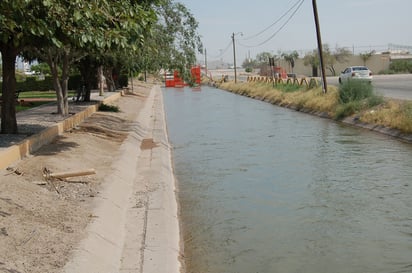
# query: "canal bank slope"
122,219
297,103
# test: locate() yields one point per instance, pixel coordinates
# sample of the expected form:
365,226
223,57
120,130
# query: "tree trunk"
101,80
64,83
89,74
109,79
57,86
8,104
60,86
314,71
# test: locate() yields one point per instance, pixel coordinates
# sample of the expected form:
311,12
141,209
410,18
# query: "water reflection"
265,189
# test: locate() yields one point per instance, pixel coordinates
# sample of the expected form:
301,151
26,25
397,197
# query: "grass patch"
42,94
392,113
288,87
354,91
108,108
355,96
33,104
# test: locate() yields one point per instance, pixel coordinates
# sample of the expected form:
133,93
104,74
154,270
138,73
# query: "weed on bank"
349,99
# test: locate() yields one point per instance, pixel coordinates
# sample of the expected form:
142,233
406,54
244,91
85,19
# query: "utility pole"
234,51
320,49
234,54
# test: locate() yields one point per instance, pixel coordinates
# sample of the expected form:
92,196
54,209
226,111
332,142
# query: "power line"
281,27
222,52
274,23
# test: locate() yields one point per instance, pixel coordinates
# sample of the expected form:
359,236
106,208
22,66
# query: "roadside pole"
320,49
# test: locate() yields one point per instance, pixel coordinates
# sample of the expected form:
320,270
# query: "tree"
366,56
62,33
290,58
84,28
249,64
312,59
340,55
173,42
263,58
41,68
21,22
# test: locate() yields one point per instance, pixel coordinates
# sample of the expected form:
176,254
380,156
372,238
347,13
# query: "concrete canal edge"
136,228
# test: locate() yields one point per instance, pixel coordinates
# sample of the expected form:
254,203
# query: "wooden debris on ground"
14,171
48,174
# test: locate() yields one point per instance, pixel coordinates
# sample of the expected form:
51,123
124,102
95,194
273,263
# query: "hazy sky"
361,25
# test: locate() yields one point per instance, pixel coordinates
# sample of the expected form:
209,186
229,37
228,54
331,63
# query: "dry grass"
393,114
312,99
390,113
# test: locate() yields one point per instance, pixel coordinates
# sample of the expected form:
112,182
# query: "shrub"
347,109
401,66
354,90
355,96
123,80
75,81
108,108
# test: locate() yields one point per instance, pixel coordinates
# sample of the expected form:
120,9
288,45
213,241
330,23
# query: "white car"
356,72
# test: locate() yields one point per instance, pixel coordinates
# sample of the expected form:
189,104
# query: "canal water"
266,189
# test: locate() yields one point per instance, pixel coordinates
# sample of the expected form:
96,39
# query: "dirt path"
42,222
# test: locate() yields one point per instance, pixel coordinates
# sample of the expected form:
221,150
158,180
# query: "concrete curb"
162,242
31,144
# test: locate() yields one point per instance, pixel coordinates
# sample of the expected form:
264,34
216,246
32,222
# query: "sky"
359,25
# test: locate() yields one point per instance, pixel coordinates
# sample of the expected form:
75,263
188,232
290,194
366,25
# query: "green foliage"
248,69
30,105
401,66
74,82
263,58
41,68
312,59
143,35
123,81
108,108
313,83
347,109
33,84
331,58
284,87
355,95
290,58
387,72
366,56
354,90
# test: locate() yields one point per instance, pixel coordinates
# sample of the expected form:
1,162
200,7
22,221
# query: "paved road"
392,86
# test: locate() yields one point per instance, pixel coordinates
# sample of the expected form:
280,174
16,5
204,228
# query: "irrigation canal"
266,189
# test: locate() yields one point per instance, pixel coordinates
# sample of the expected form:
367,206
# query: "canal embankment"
390,117
123,218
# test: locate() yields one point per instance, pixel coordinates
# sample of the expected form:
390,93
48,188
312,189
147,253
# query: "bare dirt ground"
42,221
